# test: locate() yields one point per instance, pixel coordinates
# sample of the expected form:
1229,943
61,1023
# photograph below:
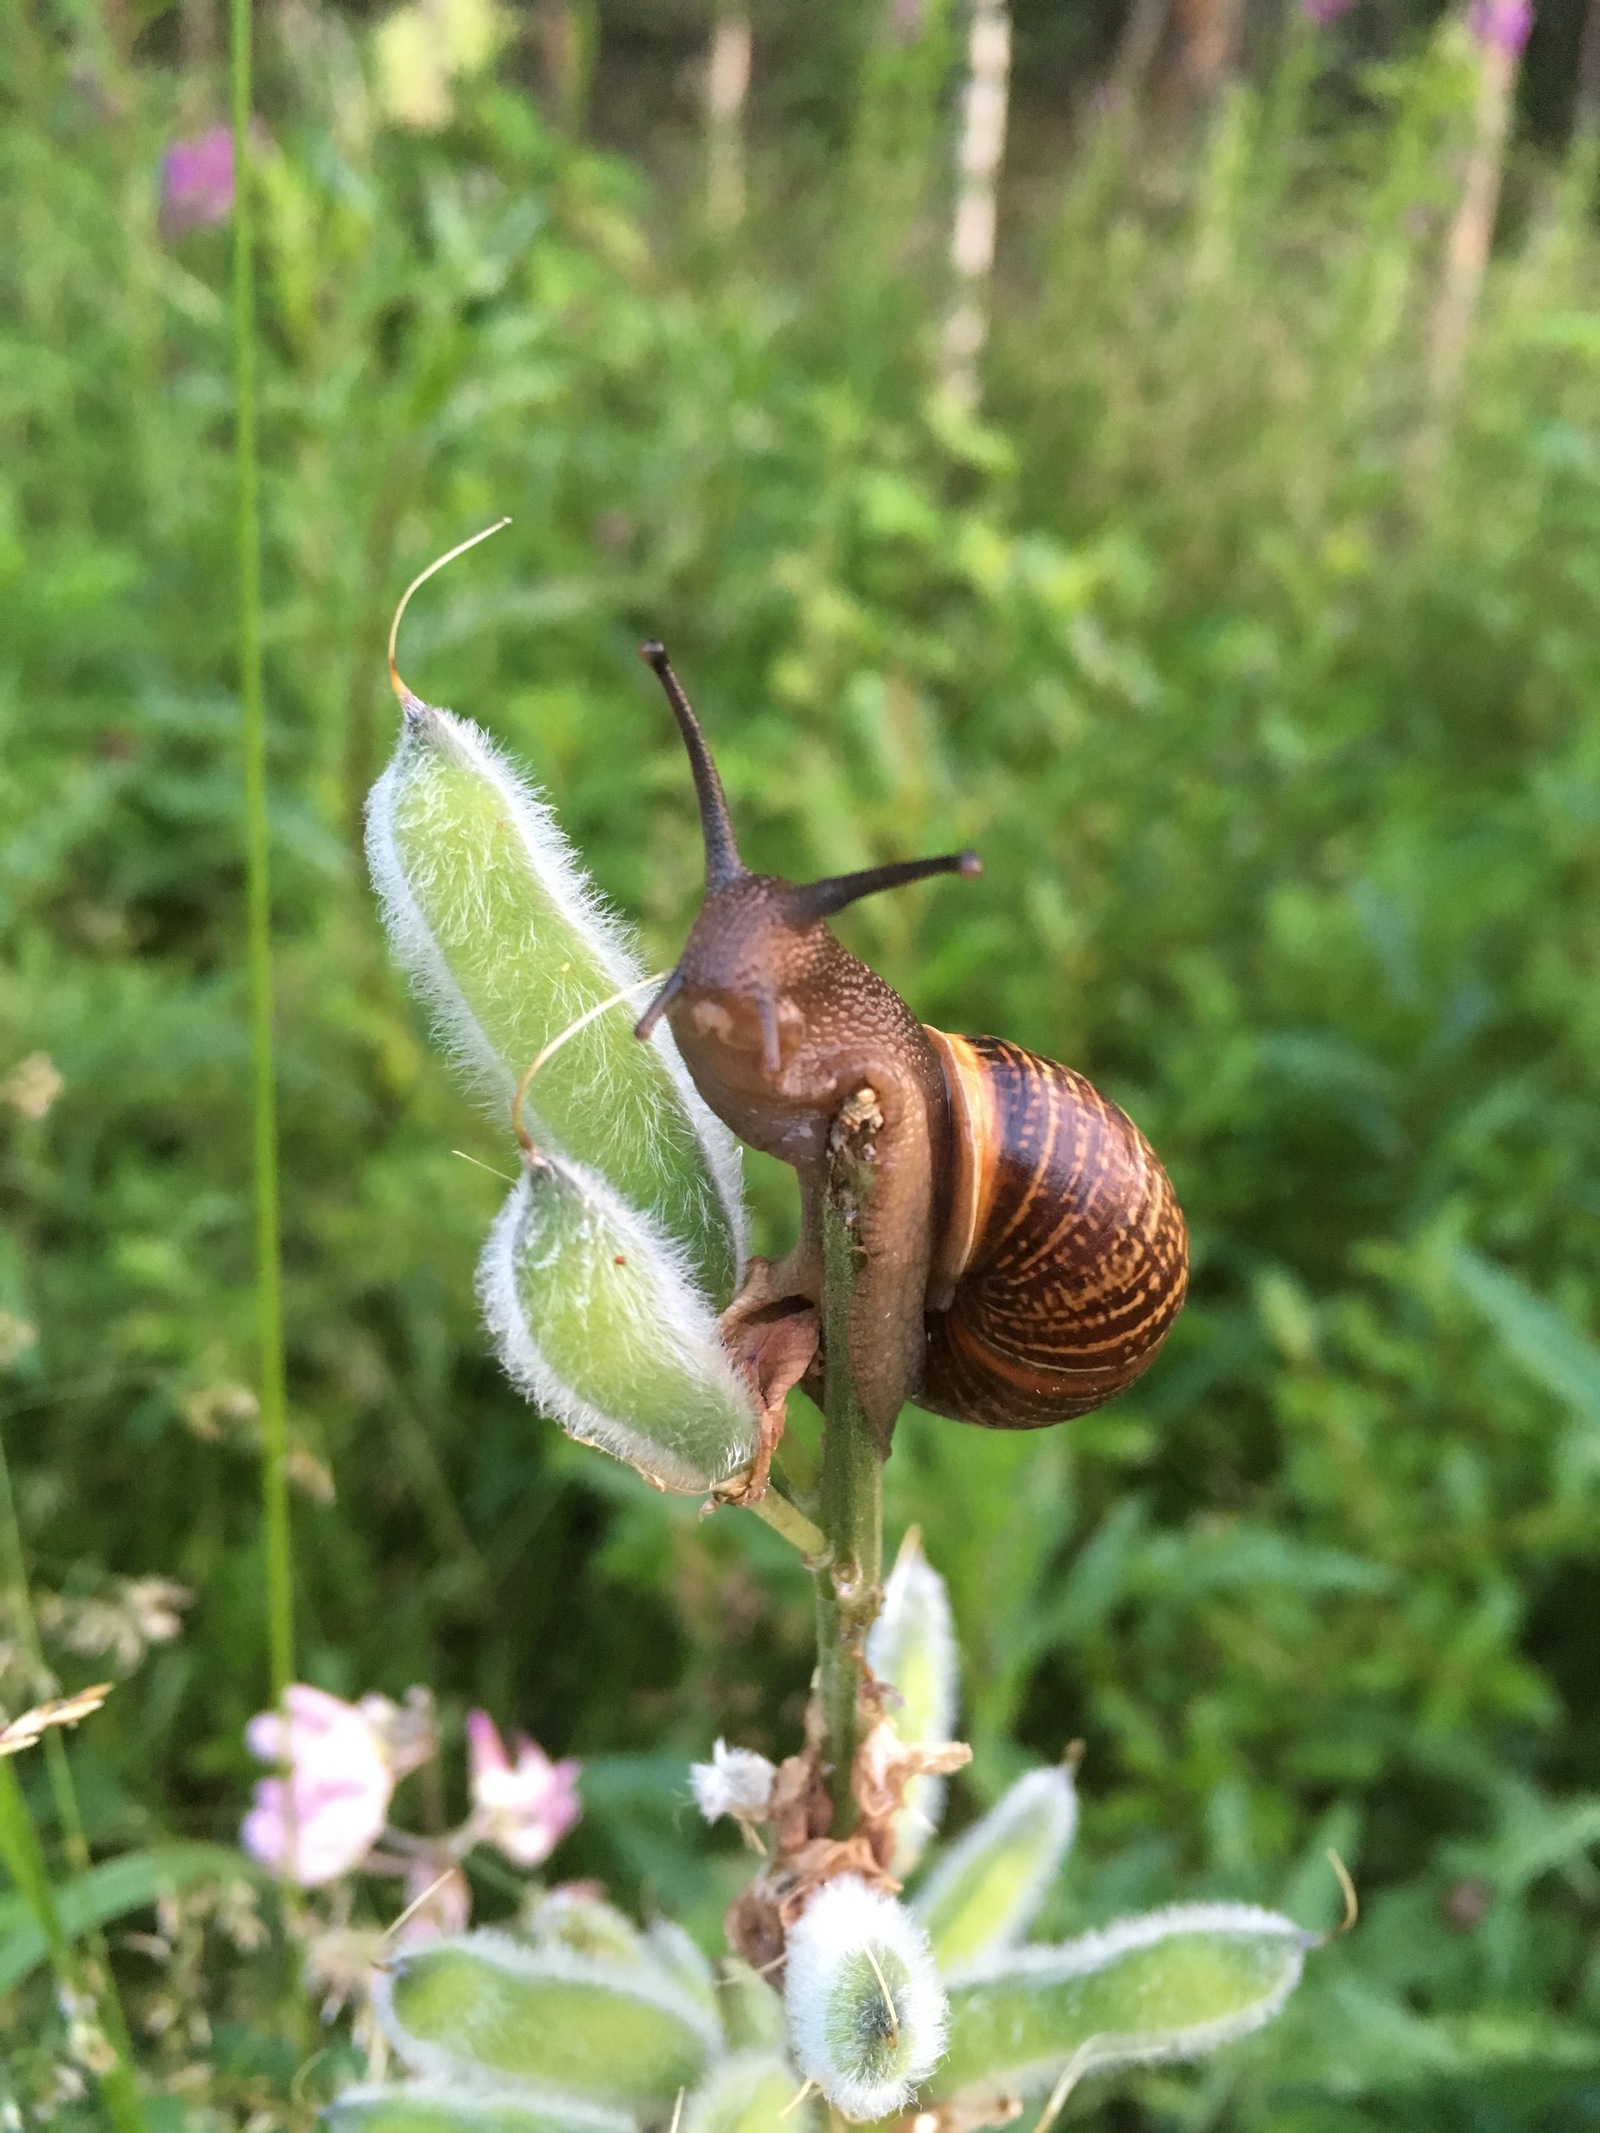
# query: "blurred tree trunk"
727,87
568,32
197,35
1136,51
1210,31
898,139
1586,117
982,147
1471,233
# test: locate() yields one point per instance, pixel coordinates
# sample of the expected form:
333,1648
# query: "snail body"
1023,1254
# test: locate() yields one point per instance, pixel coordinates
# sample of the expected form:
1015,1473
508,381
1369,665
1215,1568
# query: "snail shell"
1065,1256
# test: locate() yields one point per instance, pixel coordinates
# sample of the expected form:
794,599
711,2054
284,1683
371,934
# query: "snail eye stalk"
814,900
723,863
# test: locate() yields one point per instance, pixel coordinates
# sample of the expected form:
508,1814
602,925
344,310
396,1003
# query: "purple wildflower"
1503,25
332,1811
1325,11
524,1807
197,182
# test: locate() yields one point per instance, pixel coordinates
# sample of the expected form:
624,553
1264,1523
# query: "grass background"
1270,695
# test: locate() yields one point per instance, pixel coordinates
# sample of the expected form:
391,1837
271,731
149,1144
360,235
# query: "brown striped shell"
1065,1256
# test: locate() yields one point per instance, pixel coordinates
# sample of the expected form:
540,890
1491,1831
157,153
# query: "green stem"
86,1987
24,1856
849,1586
783,1517
269,1296
25,1863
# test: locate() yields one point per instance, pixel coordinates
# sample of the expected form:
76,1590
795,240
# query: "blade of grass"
24,1856
264,1125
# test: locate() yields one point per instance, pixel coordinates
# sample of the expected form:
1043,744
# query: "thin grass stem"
23,1851
264,1124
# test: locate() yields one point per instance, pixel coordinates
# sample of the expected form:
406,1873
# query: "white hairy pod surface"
599,1322
986,1891
508,942
1174,1984
912,1647
866,2009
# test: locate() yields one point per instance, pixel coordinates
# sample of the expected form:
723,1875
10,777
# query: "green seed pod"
675,1955
599,1323
449,2110
484,2007
753,2092
584,1924
866,2010
986,1890
507,941
570,1918
912,1647
752,2013
1173,1985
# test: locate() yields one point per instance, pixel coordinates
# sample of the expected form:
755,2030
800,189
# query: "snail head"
742,976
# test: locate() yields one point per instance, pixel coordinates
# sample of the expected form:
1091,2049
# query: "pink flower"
1503,25
338,1794
523,1808
1325,11
197,182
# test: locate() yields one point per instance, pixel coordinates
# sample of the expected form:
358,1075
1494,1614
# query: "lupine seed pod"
485,2010
752,2092
446,2109
986,1890
570,1917
1173,1985
599,1322
505,938
676,1956
912,1647
752,2012
866,2009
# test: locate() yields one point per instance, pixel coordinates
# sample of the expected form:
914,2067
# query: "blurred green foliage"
1276,717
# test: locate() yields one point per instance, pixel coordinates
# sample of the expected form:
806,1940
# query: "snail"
1023,1254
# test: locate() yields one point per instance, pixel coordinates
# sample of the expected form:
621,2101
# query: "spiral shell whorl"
1065,1246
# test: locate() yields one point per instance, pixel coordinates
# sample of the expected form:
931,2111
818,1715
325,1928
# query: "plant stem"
24,1857
849,1586
776,1511
264,1125
84,1987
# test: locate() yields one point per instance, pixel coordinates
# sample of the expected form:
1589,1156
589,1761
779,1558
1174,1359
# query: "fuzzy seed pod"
912,1647
1174,1984
485,2010
423,2108
866,2009
599,1322
751,2092
505,938
986,1890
